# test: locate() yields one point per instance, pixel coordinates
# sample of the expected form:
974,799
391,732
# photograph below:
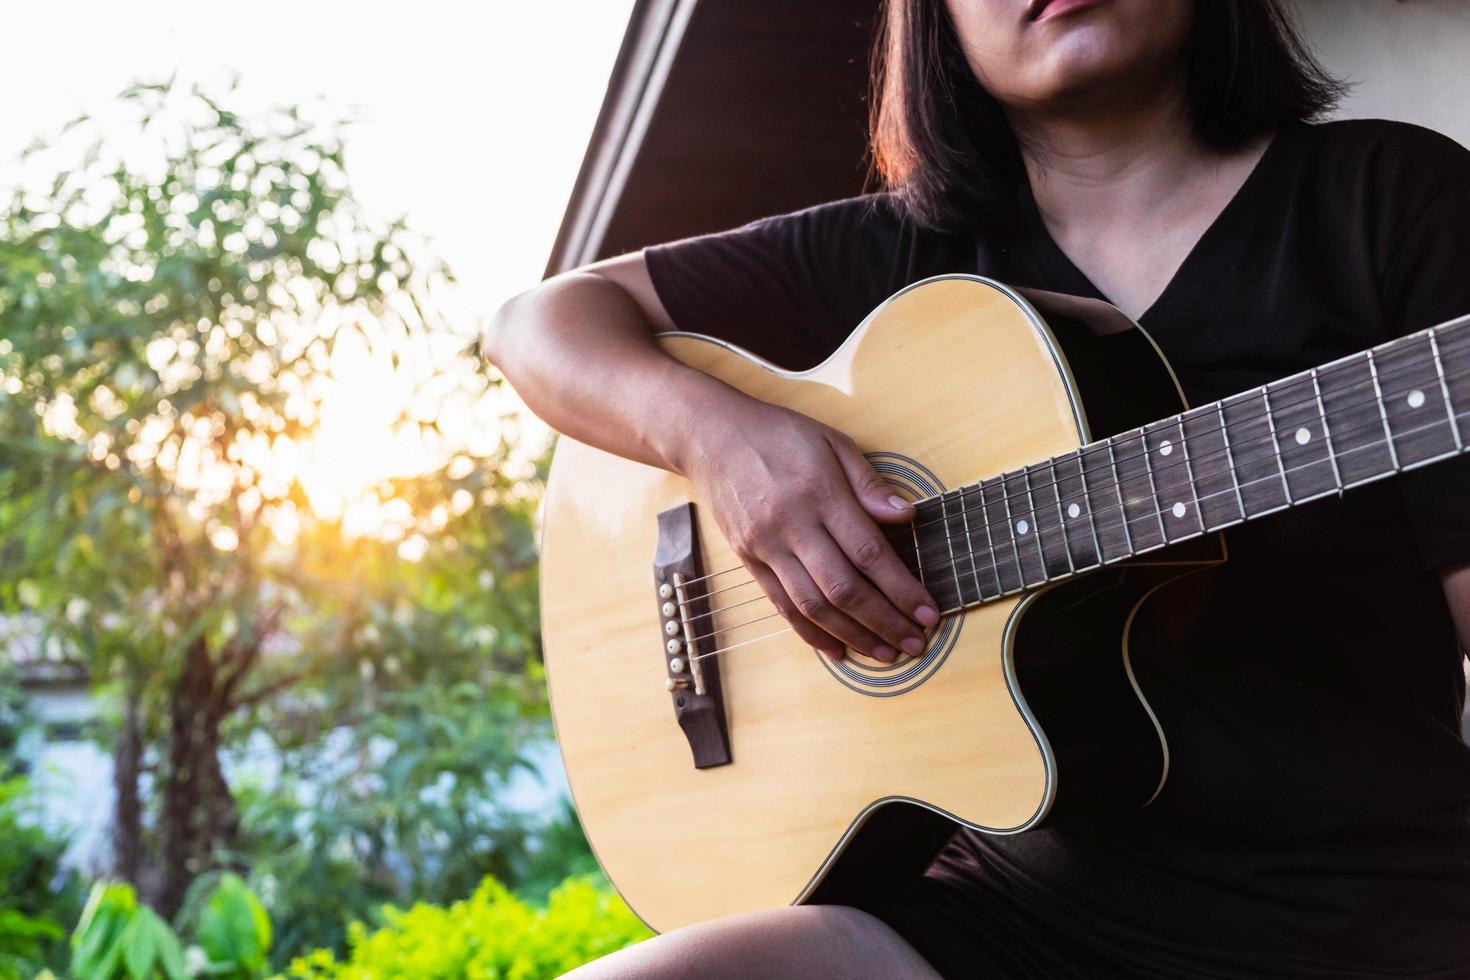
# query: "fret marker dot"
1073,510
1166,447
1303,436
1416,399
1178,510
1022,527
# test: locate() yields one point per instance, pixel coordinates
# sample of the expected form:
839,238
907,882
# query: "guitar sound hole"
861,673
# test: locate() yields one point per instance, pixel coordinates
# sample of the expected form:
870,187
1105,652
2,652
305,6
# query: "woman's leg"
811,942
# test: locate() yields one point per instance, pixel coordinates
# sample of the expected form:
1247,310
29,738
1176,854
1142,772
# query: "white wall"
1410,59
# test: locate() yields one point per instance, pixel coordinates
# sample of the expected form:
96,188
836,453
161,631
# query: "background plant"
490,934
172,306
37,898
120,939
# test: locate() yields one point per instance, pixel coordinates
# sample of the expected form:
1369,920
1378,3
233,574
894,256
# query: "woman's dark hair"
943,145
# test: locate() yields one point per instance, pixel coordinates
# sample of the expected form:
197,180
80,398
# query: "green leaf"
234,928
150,947
97,942
140,946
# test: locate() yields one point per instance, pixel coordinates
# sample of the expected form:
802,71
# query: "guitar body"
849,777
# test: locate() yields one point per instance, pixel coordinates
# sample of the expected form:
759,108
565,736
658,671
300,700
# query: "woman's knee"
804,941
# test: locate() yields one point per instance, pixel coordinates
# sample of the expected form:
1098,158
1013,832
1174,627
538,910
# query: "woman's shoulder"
880,213
1386,152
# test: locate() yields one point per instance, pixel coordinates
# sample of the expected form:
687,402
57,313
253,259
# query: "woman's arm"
798,503
579,350
1457,591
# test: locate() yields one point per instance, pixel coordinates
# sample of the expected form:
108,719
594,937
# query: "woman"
1156,153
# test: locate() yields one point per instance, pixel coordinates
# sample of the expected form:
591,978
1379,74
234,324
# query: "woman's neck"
1127,192
1100,165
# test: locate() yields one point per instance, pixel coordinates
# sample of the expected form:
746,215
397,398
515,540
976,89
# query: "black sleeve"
790,288
1426,281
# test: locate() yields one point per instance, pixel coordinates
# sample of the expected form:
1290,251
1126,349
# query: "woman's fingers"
865,546
810,633
847,587
872,555
875,494
812,603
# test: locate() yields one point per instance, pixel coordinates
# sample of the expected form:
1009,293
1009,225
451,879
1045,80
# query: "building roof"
719,112
37,662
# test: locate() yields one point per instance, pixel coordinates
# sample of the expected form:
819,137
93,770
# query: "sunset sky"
471,121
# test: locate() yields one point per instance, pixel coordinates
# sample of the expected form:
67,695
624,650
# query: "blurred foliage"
36,896
119,939
558,851
170,308
13,719
490,934
336,714
395,761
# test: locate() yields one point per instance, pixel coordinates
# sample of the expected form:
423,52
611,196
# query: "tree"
169,310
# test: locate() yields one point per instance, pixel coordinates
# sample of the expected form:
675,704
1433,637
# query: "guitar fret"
1326,431
1056,559
1189,472
1211,474
1153,490
1172,481
918,551
1072,498
954,566
1419,415
1097,550
1103,496
1453,344
1008,568
1276,442
1005,499
1299,434
1122,510
1444,387
970,548
1357,426
935,551
1024,527
1383,412
1000,589
1258,466
1056,492
1031,505
1230,459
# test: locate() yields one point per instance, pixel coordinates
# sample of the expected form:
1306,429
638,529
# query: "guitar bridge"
686,634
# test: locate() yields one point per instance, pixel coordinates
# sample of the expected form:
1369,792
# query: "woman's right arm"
798,504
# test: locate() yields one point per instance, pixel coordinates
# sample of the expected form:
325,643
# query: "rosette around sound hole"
861,673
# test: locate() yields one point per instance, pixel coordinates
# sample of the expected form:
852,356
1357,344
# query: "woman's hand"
798,503
796,499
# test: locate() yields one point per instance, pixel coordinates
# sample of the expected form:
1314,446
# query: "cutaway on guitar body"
846,778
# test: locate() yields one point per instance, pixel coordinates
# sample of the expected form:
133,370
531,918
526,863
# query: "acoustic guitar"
720,765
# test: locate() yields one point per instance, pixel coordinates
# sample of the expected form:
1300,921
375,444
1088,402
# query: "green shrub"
35,896
22,939
119,939
491,935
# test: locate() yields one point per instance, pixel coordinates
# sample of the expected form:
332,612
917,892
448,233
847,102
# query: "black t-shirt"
1316,820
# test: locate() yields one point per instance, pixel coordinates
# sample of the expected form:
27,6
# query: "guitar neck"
1396,407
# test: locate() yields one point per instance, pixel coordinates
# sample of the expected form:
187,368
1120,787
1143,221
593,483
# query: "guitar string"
990,552
971,551
1384,378
1398,373
774,633
1240,451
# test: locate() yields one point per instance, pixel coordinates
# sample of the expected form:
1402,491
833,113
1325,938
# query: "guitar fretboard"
1399,406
